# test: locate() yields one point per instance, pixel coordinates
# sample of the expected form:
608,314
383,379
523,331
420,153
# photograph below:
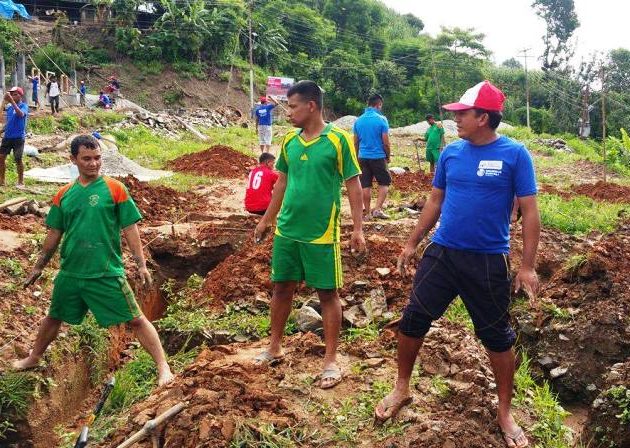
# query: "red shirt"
259,187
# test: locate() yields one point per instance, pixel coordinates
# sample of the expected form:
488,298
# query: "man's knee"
284,290
327,295
414,324
137,322
497,340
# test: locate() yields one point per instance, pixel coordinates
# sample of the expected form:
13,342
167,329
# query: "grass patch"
41,125
440,387
251,434
578,215
368,333
12,267
620,395
549,428
556,312
458,314
183,182
574,263
91,337
16,392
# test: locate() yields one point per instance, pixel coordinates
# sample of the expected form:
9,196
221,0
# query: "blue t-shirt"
82,89
479,184
35,82
370,128
263,112
16,126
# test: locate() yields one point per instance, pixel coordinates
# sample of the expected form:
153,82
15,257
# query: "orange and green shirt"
315,171
91,218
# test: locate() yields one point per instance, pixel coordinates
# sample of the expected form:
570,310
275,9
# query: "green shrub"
69,123
41,125
173,97
64,60
190,69
154,67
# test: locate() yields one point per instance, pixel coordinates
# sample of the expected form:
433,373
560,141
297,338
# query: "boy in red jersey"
260,185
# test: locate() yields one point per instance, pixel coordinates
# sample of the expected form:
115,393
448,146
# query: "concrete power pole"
2,73
251,56
585,121
603,77
21,70
525,56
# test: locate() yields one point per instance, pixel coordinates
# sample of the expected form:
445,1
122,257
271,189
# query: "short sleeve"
350,164
54,220
128,212
24,108
441,131
524,175
282,164
439,180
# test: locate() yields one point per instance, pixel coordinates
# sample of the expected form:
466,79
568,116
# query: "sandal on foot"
391,409
266,358
513,438
332,377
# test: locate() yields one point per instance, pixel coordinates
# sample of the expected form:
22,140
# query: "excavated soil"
582,327
218,160
227,397
412,182
604,191
26,223
160,203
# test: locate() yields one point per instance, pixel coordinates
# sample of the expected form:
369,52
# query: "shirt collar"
373,110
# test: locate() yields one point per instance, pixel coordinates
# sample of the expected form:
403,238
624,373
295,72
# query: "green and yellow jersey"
91,218
315,171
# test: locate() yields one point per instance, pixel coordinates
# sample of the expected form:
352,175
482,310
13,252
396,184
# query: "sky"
512,25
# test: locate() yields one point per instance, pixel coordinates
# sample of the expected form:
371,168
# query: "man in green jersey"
314,161
434,138
89,214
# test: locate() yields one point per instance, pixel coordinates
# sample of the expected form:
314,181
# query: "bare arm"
53,238
527,277
132,236
357,140
277,196
353,186
429,216
387,146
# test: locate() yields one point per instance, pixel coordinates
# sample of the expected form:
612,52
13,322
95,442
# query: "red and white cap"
482,96
17,89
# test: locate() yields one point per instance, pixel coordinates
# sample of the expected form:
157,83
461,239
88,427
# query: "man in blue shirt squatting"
371,138
14,132
264,121
475,183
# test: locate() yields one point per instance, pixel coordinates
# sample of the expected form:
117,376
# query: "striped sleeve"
126,209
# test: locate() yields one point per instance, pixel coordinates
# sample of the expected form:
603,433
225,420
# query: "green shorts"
318,264
433,155
110,299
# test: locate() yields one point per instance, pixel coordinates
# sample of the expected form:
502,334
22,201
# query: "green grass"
457,313
440,387
16,392
71,123
549,428
368,333
574,263
91,337
253,434
578,215
12,267
183,182
620,395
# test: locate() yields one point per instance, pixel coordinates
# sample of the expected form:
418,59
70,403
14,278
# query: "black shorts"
374,168
483,282
12,144
258,212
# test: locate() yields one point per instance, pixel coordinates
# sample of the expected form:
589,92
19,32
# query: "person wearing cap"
35,84
434,138
263,117
82,93
475,183
371,138
14,132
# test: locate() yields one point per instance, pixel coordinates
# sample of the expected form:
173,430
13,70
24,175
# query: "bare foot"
391,404
165,377
513,434
24,364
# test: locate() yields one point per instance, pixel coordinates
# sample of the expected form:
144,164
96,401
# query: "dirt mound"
608,424
412,182
582,328
219,161
26,223
604,191
160,203
233,403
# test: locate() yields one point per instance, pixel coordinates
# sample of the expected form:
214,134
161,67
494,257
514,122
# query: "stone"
240,338
449,444
546,361
221,337
360,284
355,317
375,362
375,305
261,300
558,372
563,337
308,319
383,272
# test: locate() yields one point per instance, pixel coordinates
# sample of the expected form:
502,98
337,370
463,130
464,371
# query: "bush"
190,69
151,67
69,123
41,125
64,60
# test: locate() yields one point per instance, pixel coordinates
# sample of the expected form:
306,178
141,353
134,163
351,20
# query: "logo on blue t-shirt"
489,168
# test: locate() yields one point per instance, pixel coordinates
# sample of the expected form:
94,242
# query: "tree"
389,77
460,40
618,70
125,12
562,21
348,78
414,22
512,63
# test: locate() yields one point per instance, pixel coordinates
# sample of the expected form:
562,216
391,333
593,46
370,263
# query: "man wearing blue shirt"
371,137
14,132
35,84
262,113
475,183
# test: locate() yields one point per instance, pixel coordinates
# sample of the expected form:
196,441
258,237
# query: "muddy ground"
219,161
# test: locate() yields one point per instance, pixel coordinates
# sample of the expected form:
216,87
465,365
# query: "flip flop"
513,437
395,409
266,358
334,377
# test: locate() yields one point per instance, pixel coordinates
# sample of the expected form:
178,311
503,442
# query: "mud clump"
412,182
604,191
27,223
581,328
160,203
218,161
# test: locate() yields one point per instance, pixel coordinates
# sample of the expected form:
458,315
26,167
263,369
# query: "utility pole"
2,73
525,56
437,84
585,122
251,56
603,76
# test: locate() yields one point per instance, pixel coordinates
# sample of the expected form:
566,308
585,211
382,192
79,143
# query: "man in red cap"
14,132
262,113
475,183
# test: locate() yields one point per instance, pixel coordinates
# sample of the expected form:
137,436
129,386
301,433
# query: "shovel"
82,441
